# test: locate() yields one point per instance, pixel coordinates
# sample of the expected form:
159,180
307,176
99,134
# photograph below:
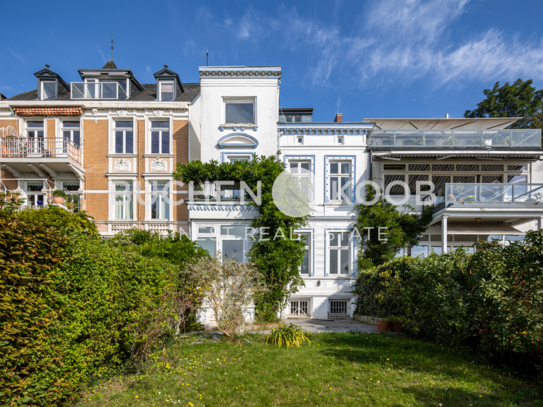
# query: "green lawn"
338,369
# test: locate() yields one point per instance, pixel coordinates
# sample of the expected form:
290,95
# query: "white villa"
238,114
110,139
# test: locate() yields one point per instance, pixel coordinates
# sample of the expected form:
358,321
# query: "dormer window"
168,85
166,91
48,90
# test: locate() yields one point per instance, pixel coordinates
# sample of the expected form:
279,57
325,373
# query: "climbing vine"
277,259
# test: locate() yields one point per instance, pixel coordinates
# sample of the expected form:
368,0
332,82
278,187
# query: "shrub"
176,248
291,335
60,219
373,286
491,300
73,307
59,192
229,288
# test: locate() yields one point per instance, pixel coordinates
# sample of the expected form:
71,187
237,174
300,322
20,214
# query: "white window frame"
339,175
128,199
162,82
338,249
300,176
124,130
219,238
160,195
34,193
42,93
160,130
71,130
309,248
299,306
247,100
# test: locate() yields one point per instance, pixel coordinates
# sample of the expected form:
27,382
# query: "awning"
481,123
47,111
482,229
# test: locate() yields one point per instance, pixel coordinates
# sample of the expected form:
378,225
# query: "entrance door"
299,309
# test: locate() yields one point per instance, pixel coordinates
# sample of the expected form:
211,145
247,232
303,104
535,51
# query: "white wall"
214,90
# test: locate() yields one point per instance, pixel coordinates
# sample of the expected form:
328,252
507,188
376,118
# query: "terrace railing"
40,147
466,193
98,90
464,139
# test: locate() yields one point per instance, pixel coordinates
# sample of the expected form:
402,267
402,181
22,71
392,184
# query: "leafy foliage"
176,248
229,289
279,259
492,299
402,229
59,192
291,335
73,307
373,287
519,99
62,220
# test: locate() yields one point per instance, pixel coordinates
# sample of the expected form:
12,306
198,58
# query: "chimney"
339,118
446,115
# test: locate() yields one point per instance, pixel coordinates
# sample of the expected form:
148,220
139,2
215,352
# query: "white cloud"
401,41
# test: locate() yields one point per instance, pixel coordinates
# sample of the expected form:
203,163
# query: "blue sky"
365,59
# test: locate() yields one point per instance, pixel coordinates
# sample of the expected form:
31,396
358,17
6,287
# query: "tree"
520,99
402,229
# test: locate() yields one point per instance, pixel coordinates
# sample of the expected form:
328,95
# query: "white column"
540,223
444,233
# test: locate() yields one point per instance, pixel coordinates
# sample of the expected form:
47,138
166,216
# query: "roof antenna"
207,56
112,47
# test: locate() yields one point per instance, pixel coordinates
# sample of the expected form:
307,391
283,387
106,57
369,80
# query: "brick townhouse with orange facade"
105,141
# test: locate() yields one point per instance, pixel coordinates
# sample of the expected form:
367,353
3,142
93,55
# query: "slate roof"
148,94
110,65
2,96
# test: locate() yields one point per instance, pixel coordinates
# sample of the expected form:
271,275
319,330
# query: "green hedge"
491,299
72,306
373,286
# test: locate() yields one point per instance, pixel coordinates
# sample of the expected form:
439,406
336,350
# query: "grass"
338,369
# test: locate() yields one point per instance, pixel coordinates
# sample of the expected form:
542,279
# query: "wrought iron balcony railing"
40,147
463,139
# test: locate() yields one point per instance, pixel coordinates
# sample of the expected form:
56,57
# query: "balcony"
496,202
98,90
455,139
54,155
